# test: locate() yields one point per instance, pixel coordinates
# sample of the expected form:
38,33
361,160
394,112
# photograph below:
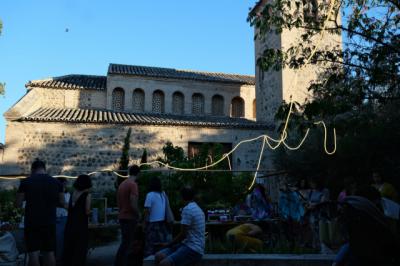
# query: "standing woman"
156,218
76,231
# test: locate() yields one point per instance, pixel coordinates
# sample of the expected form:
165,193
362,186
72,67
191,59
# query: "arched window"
198,104
158,102
138,100
178,101
118,99
237,107
254,108
217,105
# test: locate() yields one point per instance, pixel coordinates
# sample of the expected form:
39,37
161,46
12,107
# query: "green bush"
8,212
215,189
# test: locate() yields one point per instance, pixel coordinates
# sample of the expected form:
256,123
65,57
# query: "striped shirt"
193,217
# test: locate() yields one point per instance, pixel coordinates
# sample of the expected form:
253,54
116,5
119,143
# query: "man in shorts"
127,198
42,194
188,246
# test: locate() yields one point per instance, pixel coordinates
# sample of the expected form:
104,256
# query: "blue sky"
209,35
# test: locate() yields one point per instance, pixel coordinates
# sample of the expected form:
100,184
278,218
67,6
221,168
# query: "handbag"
169,216
8,248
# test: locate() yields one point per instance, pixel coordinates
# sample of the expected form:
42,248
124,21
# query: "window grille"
138,100
118,99
158,102
178,103
197,104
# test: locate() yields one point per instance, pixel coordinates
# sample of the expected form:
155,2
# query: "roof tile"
159,72
107,116
89,82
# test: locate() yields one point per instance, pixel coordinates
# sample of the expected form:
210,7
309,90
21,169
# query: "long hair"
82,182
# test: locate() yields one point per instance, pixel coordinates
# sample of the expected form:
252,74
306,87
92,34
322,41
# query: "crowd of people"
56,222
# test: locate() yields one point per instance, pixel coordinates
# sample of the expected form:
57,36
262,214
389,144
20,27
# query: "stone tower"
274,87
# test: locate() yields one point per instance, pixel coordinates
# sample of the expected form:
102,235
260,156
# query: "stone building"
77,123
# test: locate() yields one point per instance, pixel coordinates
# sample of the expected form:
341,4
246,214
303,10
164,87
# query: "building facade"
77,123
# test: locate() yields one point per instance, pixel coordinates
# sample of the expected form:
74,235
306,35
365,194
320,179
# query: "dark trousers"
75,249
126,249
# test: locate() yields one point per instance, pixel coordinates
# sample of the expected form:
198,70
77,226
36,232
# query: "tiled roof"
110,117
159,72
72,82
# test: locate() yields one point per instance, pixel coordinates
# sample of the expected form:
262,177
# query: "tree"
124,160
359,91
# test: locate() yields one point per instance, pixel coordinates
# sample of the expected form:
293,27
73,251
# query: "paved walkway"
103,256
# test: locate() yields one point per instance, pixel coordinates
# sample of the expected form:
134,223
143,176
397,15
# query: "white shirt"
193,217
61,212
155,201
391,208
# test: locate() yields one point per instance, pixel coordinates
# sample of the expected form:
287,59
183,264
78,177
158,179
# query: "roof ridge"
66,76
212,72
70,81
182,70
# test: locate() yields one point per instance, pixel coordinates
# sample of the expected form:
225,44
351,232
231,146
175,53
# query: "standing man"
127,198
42,194
188,246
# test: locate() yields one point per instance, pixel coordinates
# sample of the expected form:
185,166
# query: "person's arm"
88,203
146,214
133,199
61,200
181,236
147,207
254,230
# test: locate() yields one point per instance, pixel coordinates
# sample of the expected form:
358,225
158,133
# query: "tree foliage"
358,91
125,158
215,189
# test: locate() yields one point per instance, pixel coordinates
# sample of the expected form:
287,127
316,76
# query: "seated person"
386,189
291,204
187,248
259,203
246,237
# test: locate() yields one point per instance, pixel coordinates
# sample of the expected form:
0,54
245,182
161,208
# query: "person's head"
155,184
188,193
63,182
261,189
38,166
134,170
377,177
83,182
302,184
316,183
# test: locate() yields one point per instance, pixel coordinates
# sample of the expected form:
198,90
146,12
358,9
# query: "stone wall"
63,98
273,87
72,149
